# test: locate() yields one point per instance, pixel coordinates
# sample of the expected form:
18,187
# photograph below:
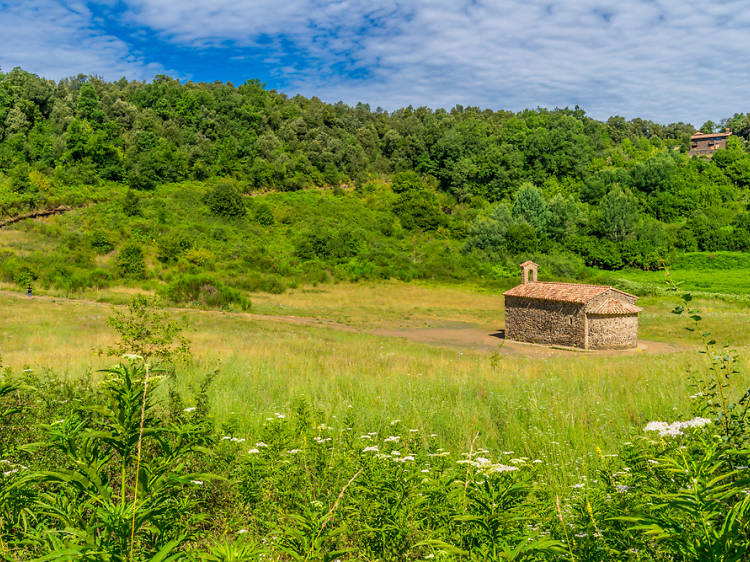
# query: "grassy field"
558,408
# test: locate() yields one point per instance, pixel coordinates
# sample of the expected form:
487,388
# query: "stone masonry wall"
546,322
613,332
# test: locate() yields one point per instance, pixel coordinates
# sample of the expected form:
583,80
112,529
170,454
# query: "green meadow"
557,405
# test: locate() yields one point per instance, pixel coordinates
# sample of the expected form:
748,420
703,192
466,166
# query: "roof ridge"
576,284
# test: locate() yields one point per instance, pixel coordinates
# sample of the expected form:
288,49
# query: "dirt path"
35,214
472,337
454,335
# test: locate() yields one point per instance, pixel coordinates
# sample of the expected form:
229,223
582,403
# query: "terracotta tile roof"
700,135
528,262
563,292
615,307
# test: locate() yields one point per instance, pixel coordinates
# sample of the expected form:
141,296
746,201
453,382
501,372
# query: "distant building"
570,314
704,144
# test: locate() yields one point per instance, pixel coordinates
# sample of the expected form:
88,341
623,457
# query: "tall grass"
559,407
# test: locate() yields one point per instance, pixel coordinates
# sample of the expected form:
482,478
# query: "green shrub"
225,200
200,257
172,246
521,238
406,181
263,215
419,210
130,261
100,241
131,204
205,291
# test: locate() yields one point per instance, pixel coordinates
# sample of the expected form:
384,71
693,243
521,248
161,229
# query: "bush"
225,200
419,210
263,215
601,253
204,291
406,181
327,244
521,238
200,257
130,262
131,204
171,247
100,242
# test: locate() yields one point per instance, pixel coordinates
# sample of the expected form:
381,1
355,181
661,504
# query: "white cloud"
666,60
58,39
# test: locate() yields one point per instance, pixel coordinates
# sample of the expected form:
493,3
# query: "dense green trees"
493,183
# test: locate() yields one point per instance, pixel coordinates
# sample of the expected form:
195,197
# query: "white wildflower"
188,410
279,416
499,468
294,451
254,451
579,485
392,439
197,482
675,428
365,436
371,449
260,444
242,531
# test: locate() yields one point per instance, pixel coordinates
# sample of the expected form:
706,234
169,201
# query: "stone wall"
546,322
613,332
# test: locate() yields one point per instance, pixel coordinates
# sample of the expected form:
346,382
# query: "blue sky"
666,60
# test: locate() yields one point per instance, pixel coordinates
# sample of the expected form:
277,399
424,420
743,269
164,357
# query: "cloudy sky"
666,60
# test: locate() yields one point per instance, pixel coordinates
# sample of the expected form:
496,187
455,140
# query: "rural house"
570,314
704,144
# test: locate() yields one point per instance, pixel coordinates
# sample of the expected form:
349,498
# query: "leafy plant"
145,331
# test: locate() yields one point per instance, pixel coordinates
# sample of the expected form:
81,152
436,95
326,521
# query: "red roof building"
570,314
705,144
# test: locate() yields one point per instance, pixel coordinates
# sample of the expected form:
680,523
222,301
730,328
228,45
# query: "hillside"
260,191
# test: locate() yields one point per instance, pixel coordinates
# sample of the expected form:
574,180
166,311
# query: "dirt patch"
35,214
478,339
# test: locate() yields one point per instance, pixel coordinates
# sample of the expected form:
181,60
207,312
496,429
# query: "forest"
169,180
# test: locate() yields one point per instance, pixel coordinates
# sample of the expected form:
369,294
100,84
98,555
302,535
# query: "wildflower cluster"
675,428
